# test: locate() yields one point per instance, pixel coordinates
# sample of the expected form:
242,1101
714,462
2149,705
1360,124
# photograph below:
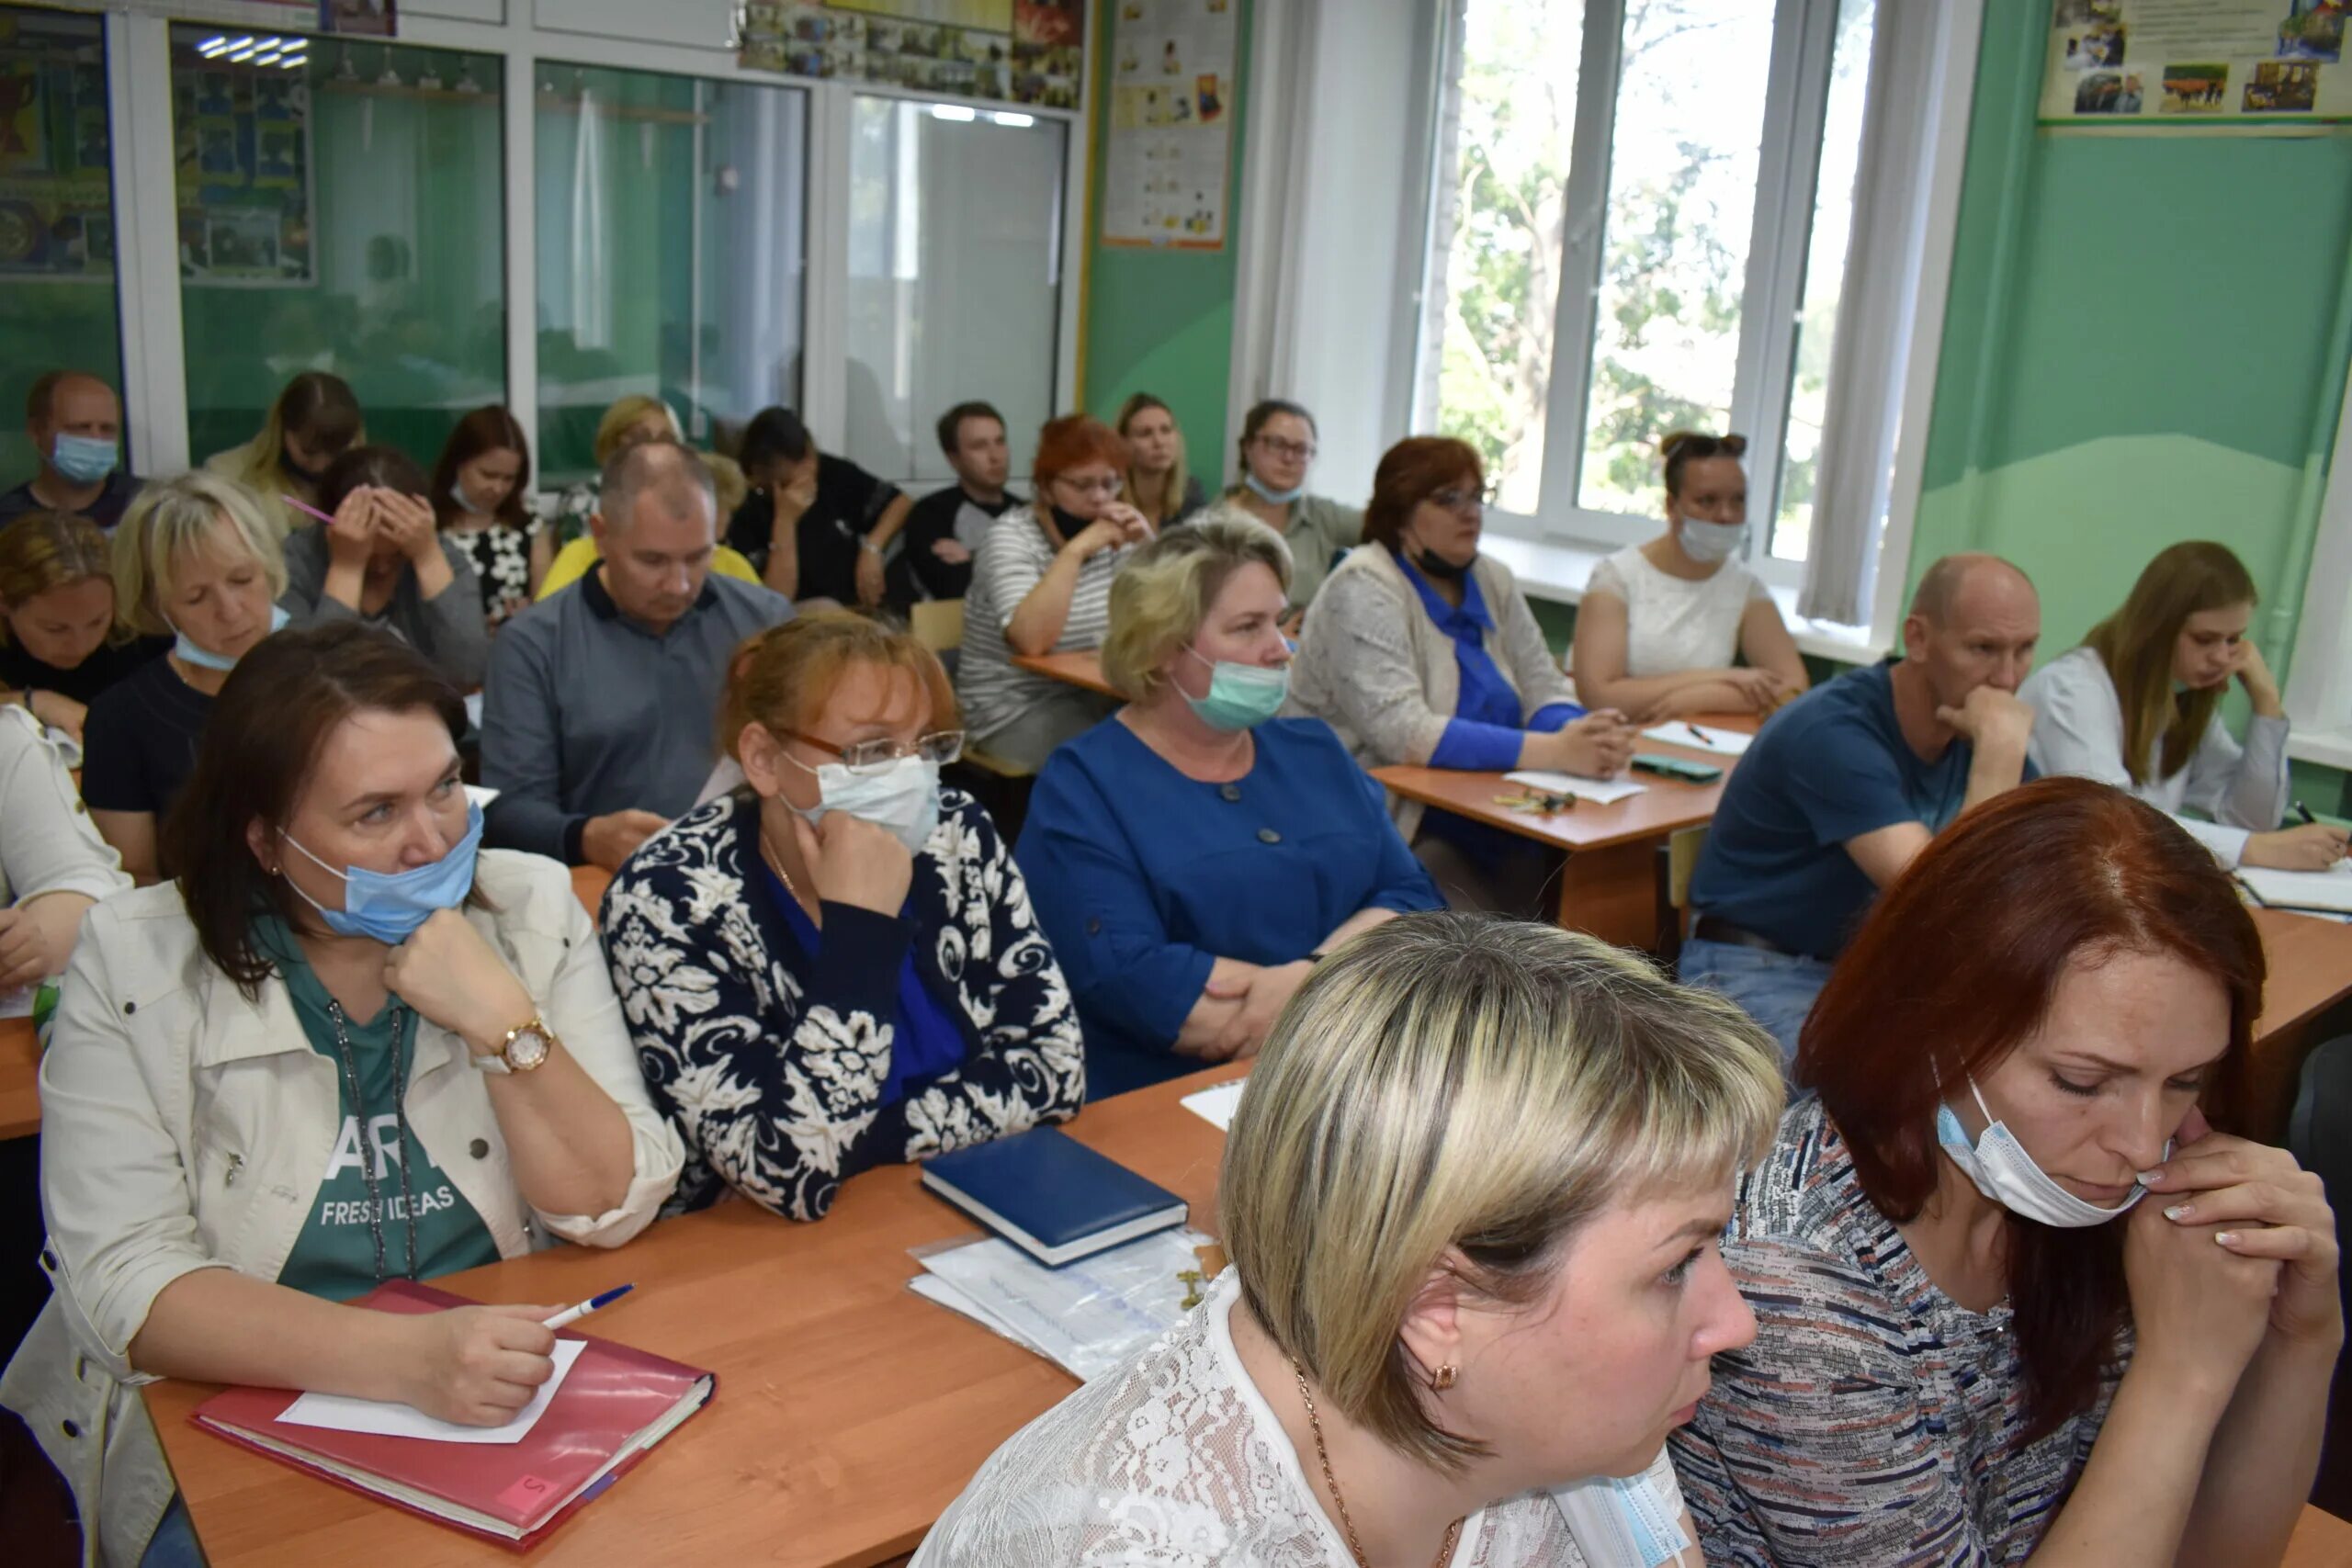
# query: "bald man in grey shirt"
597,716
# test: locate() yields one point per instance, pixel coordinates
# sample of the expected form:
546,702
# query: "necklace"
1355,1547
401,1032
775,863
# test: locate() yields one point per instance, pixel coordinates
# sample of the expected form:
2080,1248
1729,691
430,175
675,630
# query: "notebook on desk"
612,1405
2312,892
1051,1196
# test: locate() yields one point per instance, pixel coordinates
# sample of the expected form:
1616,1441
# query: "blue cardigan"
1144,877
772,1066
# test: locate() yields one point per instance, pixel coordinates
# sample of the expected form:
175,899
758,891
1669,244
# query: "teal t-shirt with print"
334,1257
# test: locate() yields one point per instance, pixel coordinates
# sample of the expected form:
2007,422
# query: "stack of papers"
1215,1106
1600,792
2328,891
1086,1317
343,1413
1699,738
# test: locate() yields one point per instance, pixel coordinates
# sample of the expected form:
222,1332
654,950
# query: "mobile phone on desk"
1681,768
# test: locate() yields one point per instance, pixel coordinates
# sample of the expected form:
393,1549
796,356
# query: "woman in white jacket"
336,984
2135,707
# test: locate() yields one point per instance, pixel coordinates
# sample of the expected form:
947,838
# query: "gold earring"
1442,1378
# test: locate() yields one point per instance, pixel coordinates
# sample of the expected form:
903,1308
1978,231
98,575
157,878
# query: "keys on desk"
1542,802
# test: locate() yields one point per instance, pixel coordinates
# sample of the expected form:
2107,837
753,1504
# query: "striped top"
1874,1422
1013,559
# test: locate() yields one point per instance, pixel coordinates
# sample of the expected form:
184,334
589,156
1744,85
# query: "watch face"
527,1050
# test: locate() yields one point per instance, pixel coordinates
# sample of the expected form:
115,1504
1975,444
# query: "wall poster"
1168,156
2192,64
1017,52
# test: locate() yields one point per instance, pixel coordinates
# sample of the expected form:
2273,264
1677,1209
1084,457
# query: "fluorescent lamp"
212,45
270,58
953,111
1018,121
239,57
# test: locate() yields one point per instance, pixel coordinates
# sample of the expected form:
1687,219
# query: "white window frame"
1797,95
145,203
2319,676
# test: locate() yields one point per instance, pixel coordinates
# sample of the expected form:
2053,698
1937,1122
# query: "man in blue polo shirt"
1850,781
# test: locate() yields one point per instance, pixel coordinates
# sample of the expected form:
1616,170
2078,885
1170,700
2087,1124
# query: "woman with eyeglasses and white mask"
1195,854
1277,449
835,966
1041,581
343,1048
1421,649
2016,1302
1662,625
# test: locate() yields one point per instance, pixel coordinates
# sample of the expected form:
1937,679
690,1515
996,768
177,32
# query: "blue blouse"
1143,877
1484,736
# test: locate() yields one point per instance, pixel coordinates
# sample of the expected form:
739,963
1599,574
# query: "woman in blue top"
1192,854
836,967
1422,651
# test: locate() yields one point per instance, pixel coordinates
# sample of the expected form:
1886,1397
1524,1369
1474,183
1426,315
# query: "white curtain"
1876,317
1268,359
592,262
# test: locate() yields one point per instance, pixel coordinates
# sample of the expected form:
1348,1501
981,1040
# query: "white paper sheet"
1215,1106
1722,742
1089,1316
2302,889
481,795
1600,792
473,709
18,1003
341,1413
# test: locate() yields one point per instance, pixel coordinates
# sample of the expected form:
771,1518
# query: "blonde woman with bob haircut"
1471,1200
1192,856
629,421
195,559
63,640
2136,706
873,990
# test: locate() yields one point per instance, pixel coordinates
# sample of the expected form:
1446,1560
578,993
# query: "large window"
954,286
57,225
671,251
341,208
1632,239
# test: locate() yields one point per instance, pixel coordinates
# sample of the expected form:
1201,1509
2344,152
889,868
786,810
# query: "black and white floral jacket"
772,1065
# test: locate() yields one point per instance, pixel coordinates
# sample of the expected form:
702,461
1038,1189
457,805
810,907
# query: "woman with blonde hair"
635,418
195,559
1159,483
1471,1200
1192,856
315,421
877,991
2136,706
63,640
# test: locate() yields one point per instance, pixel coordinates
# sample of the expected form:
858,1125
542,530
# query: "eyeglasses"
867,758
1297,451
1460,499
1108,485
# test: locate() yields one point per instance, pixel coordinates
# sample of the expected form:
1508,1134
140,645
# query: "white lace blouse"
1175,1460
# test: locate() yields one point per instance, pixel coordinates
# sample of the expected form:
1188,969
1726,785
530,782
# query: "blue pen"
572,1314
2305,813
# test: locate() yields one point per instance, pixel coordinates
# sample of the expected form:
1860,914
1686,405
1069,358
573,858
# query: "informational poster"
56,218
1019,51
1168,156
2190,64
244,162
373,18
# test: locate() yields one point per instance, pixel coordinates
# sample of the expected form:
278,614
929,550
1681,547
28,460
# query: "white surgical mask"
464,502
902,798
2003,1172
1712,541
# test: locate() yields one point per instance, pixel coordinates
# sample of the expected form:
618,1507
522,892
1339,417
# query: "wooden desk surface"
20,1078
1083,668
2321,1541
2311,968
849,1412
1664,806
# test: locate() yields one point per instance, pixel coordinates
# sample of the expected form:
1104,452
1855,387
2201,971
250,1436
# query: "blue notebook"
1051,1196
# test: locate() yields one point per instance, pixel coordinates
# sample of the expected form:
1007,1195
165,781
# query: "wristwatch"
525,1049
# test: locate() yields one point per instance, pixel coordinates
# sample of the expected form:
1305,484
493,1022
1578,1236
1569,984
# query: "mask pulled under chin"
1430,564
1999,1167
1272,497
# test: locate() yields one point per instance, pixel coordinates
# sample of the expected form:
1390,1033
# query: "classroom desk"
2311,980
2321,1541
588,884
20,1078
849,1412
1610,884
1083,668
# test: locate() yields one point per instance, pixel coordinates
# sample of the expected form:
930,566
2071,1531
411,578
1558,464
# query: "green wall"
2146,342
1161,320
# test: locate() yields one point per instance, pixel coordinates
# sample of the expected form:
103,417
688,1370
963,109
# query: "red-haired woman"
479,489
1967,1351
1421,649
1041,583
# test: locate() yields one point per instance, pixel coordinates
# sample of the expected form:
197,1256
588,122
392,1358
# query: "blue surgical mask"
903,797
387,908
84,459
1272,497
1241,696
204,659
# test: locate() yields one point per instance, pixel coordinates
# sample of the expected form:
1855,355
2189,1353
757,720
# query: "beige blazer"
1374,667
183,1127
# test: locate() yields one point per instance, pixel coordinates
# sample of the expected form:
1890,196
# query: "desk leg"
1611,892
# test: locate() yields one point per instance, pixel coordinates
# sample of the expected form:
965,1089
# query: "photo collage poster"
1013,51
56,212
2189,64
1168,158
241,155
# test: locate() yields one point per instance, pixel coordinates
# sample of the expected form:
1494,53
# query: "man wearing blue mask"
74,421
